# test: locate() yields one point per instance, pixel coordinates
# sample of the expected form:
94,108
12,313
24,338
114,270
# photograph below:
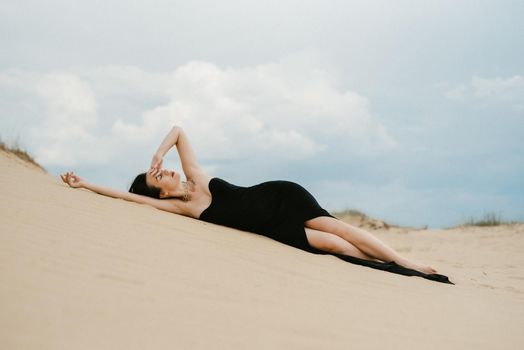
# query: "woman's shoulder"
213,182
206,183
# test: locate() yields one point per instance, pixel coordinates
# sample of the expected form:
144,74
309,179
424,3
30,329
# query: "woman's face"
166,180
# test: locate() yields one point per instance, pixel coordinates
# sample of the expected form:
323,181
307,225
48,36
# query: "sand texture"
83,271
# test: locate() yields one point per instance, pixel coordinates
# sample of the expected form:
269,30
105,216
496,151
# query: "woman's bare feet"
414,266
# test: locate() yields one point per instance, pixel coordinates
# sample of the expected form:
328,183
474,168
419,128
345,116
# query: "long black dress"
278,209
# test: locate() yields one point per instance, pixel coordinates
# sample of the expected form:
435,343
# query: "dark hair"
139,186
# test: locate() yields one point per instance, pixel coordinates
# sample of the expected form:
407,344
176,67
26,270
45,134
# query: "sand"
83,271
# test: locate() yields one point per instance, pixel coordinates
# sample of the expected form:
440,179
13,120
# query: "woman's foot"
418,267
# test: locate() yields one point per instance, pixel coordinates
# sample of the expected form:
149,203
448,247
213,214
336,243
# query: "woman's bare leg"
364,241
331,243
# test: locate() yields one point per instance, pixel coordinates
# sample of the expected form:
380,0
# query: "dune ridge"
82,271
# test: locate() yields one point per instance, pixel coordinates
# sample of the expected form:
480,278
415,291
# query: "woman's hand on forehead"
156,162
154,172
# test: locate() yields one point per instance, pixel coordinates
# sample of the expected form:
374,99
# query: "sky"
410,111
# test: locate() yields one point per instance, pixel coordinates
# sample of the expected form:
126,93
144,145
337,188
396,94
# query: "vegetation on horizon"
488,219
18,151
364,220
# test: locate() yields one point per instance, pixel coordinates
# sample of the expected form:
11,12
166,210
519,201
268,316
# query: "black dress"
278,209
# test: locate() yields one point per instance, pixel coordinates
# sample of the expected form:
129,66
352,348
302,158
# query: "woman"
281,210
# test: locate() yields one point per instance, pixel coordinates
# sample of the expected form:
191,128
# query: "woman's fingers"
154,172
71,179
65,177
156,162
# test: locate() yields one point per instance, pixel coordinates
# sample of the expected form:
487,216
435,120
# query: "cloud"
498,87
277,109
63,114
496,90
284,110
66,135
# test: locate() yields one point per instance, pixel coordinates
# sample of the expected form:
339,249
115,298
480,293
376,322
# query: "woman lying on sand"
281,210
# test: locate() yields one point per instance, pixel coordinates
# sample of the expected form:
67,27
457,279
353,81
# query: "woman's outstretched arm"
75,181
178,137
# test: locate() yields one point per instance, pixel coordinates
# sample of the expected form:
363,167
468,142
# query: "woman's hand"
72,180
156,164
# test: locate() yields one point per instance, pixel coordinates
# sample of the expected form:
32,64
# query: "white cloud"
493,90
284,110
62,112
66,135
498,87
278,109
70,101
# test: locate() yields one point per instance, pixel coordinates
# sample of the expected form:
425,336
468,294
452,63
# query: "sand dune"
82,271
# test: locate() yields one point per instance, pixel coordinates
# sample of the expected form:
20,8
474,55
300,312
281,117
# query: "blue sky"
410,111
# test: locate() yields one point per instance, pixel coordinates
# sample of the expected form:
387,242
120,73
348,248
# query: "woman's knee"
333,244
327,242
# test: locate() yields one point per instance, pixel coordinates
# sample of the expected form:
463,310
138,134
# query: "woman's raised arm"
178,137
75,181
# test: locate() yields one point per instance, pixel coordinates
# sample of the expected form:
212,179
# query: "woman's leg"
364,241
331,243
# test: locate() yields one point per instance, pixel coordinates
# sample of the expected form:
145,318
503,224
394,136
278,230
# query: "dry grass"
358,218
488,219
18,151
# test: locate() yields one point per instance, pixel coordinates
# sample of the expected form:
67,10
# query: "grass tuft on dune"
19,152
488,219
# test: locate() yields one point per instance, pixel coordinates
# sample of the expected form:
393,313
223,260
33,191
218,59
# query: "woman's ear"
164,194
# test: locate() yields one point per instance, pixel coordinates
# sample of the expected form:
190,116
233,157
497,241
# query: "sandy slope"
82,271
